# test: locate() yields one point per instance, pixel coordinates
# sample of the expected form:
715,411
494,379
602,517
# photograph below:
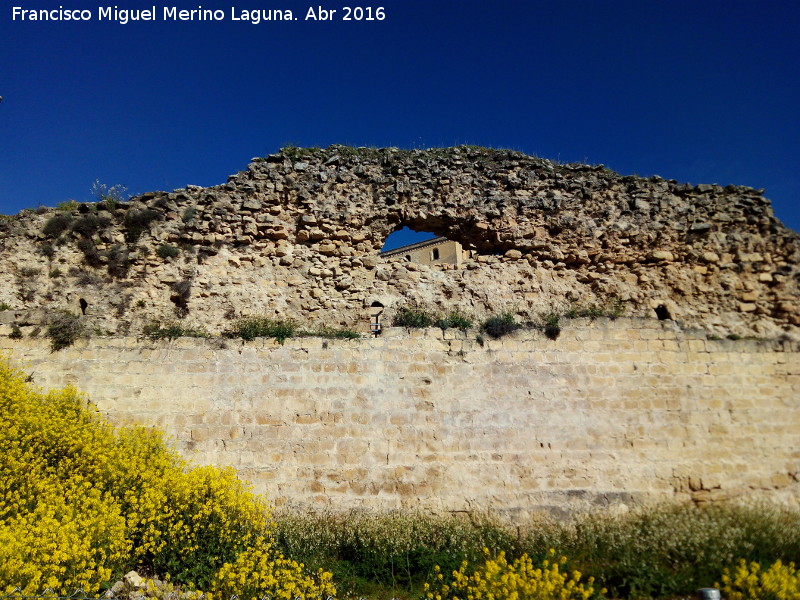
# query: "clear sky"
700,91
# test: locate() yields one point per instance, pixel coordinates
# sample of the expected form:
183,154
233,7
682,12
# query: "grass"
171,331
416,317
612,309
331,333
250,328
662,551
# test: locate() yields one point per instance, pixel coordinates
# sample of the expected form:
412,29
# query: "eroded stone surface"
297,235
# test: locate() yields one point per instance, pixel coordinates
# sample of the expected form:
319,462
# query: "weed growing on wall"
551,325
455,320
613,309
416,317
109,195
331,333
136,222
500,325
56,225
82,503
250,328
413,317
64,330
171,331
167,251
67,205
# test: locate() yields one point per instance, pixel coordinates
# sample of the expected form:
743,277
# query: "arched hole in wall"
422,247
405,237
375,312
662,312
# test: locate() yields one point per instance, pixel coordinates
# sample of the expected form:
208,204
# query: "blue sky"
705,92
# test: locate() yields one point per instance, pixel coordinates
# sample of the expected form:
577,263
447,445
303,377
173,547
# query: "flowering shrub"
520,580
82,503
259,571
749,582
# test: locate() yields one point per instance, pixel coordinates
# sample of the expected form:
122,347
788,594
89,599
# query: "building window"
435,254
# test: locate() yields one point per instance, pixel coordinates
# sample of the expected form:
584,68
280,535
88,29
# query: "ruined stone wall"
297,235
609,412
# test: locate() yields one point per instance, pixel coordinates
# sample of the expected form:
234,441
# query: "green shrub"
5,306
90,253
55,273
188,215
84,278
552,326
181,291
16,332
167,251
56,225
331,333
413,317
136,222
455,320
171,331
119,261
89,224
500,325
47,250
250,328
64,329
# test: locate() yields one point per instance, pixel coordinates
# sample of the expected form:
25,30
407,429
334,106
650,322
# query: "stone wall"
298,233
609,412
